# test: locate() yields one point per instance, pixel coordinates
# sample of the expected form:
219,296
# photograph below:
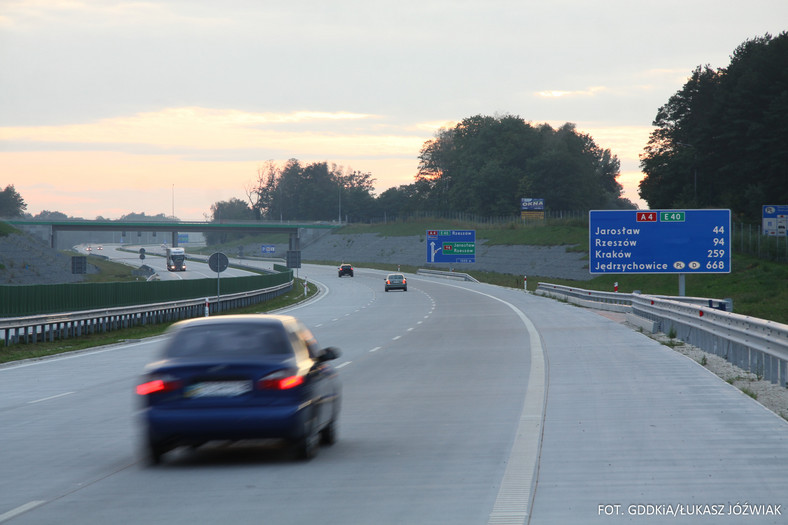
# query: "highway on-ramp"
463,404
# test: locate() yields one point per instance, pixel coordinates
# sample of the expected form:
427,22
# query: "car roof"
259,319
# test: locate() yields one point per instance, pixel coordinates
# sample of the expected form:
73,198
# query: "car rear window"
229,340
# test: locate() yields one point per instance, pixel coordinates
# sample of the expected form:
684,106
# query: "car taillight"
404,280
282,380
157,385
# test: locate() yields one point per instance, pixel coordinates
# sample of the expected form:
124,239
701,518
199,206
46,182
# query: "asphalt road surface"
154,257
463,404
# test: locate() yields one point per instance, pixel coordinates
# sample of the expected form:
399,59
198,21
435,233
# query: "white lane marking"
343,365
410,329
80,353
50,397
516,493
394,339
20,510
375,349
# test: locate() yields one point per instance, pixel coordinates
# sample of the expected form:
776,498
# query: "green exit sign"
459,248
671,216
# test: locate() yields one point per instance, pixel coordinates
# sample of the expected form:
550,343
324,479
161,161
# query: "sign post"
218,262
660,241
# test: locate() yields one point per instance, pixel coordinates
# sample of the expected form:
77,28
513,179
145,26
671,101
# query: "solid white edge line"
516,493
20,510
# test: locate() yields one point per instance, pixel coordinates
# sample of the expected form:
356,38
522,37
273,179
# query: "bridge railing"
755,345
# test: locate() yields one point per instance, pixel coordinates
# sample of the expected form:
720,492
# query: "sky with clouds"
111,106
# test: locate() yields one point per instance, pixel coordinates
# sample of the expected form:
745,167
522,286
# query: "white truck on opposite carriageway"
176,259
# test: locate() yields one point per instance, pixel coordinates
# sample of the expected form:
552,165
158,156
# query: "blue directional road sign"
659,241
451,246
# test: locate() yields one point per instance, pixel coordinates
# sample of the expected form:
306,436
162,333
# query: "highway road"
463,404
154,257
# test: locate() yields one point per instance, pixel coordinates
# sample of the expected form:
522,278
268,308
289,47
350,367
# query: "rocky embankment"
26,259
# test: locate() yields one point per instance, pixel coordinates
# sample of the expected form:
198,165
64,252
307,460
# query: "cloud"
197,128
590,92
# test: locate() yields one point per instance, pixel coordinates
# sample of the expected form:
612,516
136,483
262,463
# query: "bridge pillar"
294,253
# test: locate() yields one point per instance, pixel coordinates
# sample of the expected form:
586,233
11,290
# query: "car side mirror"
329,354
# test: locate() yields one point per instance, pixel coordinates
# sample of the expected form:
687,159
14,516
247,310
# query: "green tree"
316,191
47,215
720,140
484,165
11,203
228,211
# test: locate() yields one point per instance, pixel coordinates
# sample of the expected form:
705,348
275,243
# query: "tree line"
721,141
482,166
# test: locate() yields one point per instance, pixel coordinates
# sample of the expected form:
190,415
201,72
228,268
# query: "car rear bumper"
197,425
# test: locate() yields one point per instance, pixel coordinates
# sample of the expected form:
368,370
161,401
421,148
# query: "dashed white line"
50,397
20,510
343,365
375,349
395,338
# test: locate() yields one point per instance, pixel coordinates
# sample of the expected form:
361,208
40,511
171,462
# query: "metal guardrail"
50,327
610,301
755,345
449,275
621,302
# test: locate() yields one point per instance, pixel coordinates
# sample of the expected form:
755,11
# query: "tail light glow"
158,385
282,380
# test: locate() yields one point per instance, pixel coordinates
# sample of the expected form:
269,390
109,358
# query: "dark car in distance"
345,269
240,377
396,281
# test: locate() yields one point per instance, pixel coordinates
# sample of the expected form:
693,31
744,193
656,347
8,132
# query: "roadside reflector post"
207,307
525,283
615,287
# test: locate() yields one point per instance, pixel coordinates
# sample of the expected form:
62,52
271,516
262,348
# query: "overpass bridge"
176,227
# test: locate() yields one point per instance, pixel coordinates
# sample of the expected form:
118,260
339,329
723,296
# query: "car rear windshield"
229,340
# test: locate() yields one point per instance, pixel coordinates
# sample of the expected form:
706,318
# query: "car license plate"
219,389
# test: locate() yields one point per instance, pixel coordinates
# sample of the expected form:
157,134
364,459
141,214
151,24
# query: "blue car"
240,377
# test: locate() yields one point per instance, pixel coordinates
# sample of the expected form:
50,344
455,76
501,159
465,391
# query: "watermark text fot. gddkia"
695,509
